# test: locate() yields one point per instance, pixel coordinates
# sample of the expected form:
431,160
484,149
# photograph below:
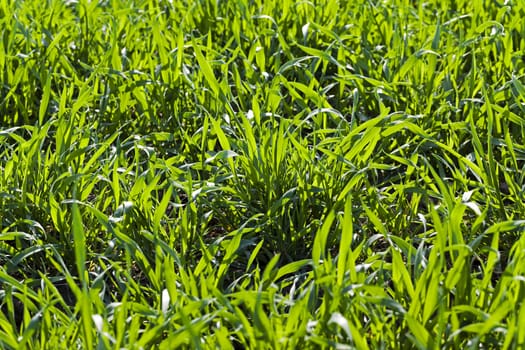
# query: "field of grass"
260,174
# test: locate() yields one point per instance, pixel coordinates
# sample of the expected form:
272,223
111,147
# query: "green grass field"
253,174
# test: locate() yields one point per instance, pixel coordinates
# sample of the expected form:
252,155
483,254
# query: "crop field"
252,174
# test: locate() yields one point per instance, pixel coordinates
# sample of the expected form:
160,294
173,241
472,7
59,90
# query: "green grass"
262,174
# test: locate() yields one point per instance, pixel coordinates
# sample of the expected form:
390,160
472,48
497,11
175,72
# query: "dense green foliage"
262,174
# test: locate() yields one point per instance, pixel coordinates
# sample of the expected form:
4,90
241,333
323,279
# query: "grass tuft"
262,174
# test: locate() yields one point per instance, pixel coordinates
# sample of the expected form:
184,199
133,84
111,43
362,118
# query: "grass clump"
250,174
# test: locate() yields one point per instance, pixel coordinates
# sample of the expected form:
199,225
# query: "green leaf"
206,70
